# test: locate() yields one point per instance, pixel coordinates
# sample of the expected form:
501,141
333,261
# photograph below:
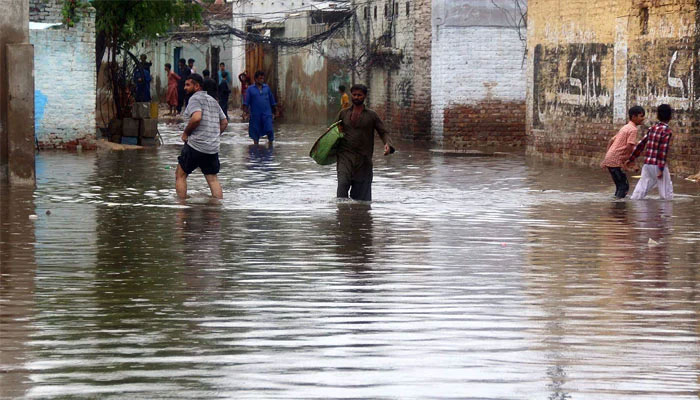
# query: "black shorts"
191,159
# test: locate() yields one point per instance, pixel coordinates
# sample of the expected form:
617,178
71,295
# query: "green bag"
325,149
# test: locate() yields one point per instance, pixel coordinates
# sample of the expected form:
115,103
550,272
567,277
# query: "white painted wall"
161,52
473,62
65,83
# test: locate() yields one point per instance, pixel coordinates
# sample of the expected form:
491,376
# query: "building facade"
589,62
392,51
194,42
308,77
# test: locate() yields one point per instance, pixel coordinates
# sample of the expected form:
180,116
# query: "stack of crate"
141,129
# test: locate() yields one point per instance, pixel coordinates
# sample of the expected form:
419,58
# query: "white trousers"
649,181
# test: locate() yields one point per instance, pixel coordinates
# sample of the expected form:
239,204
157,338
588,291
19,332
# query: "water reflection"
17,290
465,278
259,154
618,310
354,234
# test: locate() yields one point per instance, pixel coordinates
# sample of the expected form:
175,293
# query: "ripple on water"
464,278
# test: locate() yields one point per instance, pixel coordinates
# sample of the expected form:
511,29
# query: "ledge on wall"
42,25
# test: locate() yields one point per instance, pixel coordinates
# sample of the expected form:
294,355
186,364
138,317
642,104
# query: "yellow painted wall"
588,62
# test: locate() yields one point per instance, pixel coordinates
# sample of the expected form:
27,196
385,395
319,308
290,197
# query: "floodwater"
469,278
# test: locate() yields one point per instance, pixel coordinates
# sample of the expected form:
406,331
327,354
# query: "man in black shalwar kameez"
357,146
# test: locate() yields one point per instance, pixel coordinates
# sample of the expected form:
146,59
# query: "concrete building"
304,79
65,77
447,71
308,78
432,67
245,14
588,62
392,44
192,42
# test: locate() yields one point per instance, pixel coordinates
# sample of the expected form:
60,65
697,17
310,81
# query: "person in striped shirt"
655,172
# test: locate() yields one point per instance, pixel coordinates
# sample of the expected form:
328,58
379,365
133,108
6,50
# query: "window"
396,9
366,12
375,12
408,8
644,20
386,11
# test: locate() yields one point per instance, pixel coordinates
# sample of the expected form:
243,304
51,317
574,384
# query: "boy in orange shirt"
620,149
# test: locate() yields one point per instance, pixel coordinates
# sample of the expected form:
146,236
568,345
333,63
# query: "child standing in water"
655,172
620,149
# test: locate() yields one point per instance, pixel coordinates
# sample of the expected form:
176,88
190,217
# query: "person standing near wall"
222,69
244,79
171,96
145,63
355,150
209,85
142,77
190,63
184,74
206,123
224,92
262,106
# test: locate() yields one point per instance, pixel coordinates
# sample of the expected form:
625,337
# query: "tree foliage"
120,25
125,22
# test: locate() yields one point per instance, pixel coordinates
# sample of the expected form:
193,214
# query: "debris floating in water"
33,217
652,242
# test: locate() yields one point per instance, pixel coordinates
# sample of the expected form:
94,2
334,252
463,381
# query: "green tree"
120,25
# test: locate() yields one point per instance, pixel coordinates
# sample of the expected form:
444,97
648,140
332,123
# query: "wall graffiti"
405,91
573,79
662,73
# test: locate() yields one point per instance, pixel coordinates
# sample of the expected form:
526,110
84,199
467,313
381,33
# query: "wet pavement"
466,277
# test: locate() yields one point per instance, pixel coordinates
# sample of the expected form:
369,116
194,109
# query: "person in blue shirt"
227,78
142,78
261,105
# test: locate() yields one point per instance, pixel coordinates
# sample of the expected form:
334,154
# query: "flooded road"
480,278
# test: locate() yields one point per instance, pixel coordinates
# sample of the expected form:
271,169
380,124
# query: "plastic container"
130,140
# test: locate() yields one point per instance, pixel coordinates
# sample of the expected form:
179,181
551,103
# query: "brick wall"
48,11
64,82
397,70
478,86
589,62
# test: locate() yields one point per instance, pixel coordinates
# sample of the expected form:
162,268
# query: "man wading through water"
356,148
206,122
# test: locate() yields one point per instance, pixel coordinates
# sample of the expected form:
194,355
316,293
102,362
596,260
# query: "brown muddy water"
466,278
